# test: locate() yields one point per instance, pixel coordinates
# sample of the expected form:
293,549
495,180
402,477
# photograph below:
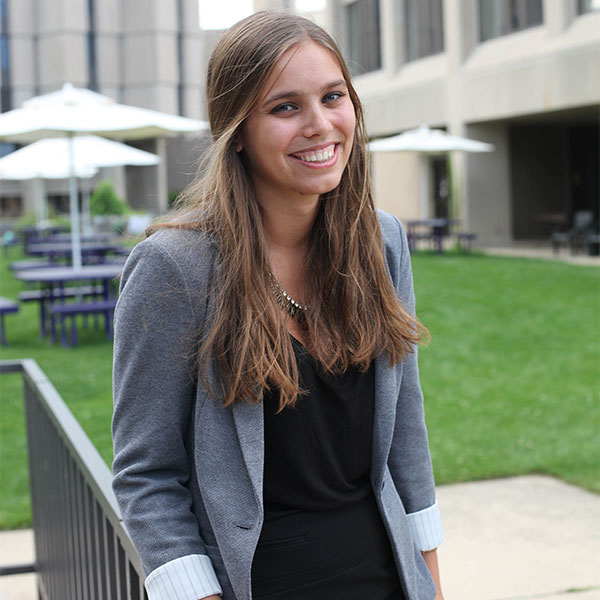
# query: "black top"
318,453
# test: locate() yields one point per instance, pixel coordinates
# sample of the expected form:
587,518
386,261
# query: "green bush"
104,200
25,220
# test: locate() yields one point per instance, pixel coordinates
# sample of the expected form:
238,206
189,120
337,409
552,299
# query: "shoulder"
393,236
183,246
189,252
392,230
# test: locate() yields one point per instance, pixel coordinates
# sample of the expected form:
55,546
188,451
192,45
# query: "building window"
363,36
5,92
500,17
424,33
91,47
180,60
11,207
584,6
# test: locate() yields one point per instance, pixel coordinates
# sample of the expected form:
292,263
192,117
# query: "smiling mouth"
323,155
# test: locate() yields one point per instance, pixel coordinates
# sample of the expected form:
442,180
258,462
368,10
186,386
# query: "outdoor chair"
578,237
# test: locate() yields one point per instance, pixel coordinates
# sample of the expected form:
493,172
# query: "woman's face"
299,137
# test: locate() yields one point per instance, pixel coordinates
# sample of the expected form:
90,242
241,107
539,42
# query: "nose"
317,122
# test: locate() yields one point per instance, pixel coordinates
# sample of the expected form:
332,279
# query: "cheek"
347,123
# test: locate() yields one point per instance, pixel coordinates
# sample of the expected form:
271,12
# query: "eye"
332,97
284,108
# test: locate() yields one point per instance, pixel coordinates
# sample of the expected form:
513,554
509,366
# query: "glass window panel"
501,17
424,28
363,35
5,87
584,6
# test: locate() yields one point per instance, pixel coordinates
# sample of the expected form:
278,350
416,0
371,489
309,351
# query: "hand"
213,597
431,561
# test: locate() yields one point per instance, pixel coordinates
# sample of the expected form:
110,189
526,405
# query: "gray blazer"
187,471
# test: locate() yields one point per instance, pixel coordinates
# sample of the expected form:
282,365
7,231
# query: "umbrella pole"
85,211
424,185
74,208
39,201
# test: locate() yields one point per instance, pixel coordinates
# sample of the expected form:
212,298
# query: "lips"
317,156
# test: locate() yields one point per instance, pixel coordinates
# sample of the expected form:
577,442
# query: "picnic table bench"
46,296
22,265
72,309
6,306
465,240
52,283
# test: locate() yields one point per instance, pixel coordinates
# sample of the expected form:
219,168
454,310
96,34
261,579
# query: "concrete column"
389,36
118,178
30,195
558,15
488,181
162,188
454,11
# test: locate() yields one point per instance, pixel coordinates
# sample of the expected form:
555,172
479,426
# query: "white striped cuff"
426,527
186,578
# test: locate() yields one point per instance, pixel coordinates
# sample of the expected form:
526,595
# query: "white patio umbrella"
72,111
427,141
49,159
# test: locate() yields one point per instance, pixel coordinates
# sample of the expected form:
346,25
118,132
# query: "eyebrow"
295,94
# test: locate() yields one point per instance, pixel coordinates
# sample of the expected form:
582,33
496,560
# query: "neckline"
298,345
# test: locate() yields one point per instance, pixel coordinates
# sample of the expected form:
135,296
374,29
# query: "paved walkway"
544,253
523,538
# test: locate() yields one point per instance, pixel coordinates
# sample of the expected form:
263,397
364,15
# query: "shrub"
104,200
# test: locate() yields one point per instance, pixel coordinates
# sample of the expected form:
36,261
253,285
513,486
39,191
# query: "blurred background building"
521,74
147,53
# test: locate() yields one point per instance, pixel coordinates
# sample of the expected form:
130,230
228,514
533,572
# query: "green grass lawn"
511,376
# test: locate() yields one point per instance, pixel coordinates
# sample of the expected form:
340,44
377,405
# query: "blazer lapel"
249,424
386,395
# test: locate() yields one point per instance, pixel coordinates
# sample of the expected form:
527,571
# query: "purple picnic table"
55,250
53,279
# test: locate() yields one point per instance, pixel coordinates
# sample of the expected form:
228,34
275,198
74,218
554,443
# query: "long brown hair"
354,313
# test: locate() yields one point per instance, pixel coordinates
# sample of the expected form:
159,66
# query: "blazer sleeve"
410,459
154,389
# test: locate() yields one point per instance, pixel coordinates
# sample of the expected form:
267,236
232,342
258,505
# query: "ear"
238,145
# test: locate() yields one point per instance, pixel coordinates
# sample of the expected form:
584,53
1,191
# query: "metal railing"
82,550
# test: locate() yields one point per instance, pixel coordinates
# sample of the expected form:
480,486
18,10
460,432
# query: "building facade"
523,75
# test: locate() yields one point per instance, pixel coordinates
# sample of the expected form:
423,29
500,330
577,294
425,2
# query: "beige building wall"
396,183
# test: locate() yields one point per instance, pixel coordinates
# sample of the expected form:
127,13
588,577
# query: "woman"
268,428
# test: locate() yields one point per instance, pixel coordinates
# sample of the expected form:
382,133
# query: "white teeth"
318,156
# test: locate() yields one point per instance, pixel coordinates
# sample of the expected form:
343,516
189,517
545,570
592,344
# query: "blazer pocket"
285,542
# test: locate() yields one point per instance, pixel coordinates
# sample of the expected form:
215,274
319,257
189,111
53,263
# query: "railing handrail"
87,458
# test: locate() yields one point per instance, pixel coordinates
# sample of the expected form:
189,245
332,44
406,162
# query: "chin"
323,187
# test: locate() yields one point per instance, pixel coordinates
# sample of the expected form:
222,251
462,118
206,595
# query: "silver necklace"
285,301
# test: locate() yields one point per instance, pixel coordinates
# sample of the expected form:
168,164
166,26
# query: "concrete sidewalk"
523,538
543,252
520,538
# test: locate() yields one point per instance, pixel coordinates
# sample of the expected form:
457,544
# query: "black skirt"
326,555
